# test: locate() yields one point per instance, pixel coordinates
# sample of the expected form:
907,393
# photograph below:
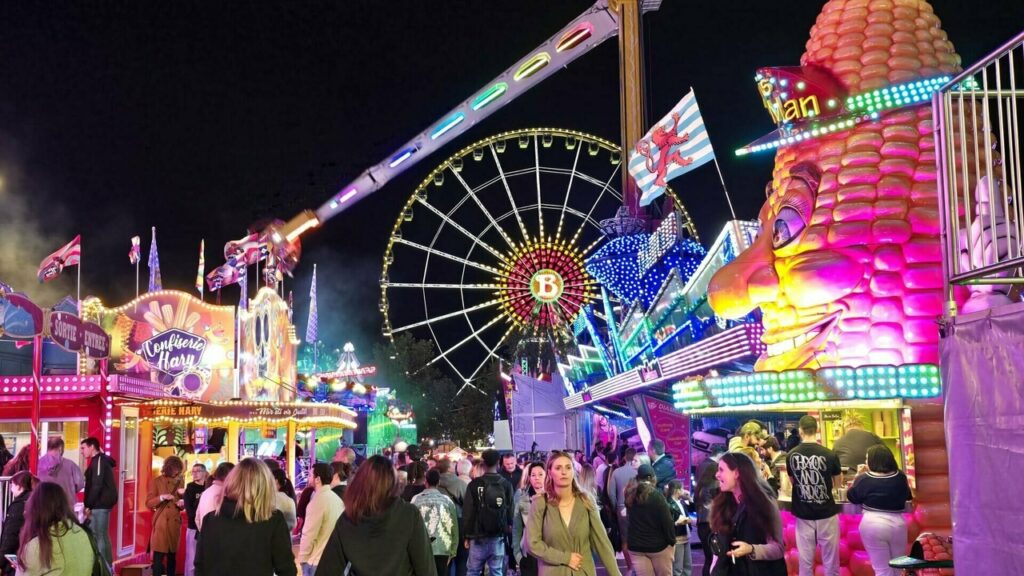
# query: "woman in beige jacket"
164,499
564,529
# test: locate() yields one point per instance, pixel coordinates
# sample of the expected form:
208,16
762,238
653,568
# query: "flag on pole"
221,276
202,267
677,144
154,265
311,321
135,254
69,255
243,286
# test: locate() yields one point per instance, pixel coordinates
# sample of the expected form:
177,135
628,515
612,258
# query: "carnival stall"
224,382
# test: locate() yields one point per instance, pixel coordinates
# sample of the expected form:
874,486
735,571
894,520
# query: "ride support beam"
631,91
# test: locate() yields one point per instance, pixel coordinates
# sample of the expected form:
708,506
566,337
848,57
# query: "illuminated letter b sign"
546,285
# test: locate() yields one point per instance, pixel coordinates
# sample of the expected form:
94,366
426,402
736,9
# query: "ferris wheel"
491,245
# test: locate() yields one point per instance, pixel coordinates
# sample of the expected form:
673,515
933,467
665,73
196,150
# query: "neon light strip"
838,125
868,104
50,384
574,37
896,96
452,121
347,195
733,344
492,94
824,405
841,383
401,157
532,66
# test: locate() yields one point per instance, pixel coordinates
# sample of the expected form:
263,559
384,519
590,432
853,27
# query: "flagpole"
718,168
728,199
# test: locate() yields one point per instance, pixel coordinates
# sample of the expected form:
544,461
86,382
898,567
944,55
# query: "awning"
311,414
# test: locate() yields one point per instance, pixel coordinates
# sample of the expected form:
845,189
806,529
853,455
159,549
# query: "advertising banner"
177,341
673,428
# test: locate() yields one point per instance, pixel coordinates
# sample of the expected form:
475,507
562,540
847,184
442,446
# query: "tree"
441,411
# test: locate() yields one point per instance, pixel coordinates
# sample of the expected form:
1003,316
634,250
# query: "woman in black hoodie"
246,535
21,488
379,533
651,534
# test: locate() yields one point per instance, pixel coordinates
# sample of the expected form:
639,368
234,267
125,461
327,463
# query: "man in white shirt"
322,514
210,499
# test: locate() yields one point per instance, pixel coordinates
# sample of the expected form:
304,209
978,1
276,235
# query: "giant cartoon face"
847,267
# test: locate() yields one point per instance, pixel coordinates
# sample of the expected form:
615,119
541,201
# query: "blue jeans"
489,551
99,523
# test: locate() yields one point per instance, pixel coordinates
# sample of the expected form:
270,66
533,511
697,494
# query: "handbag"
99,565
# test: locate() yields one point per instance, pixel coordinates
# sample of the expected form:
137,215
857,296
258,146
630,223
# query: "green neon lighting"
490,95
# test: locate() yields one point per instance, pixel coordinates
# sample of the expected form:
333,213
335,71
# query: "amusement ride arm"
597,24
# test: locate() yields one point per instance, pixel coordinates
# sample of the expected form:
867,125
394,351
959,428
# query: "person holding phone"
21,488
165,500
746,526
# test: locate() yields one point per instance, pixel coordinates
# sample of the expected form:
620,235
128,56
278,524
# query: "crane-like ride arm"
597,24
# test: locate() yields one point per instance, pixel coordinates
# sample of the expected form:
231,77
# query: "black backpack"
493,508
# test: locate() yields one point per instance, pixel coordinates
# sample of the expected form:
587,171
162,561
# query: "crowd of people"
409,515
737,489
42,533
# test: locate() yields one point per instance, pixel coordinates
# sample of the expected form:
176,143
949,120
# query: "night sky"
200,118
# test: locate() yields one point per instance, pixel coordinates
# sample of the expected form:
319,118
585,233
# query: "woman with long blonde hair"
247,534
564,529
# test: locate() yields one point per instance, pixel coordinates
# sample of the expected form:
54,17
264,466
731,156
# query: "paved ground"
698,564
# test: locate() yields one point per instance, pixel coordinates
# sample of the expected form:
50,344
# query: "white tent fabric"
983,375
538,414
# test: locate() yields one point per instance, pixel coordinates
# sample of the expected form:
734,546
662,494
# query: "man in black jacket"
487,517
100,494
664,466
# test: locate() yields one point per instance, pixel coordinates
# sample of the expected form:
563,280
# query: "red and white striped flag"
69,255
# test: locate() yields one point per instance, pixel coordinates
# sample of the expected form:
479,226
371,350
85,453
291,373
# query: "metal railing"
5,496
979,121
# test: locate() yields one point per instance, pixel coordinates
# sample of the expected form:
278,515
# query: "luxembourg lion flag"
675,145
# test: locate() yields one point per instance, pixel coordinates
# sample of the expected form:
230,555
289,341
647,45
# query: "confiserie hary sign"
240,411
173,351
